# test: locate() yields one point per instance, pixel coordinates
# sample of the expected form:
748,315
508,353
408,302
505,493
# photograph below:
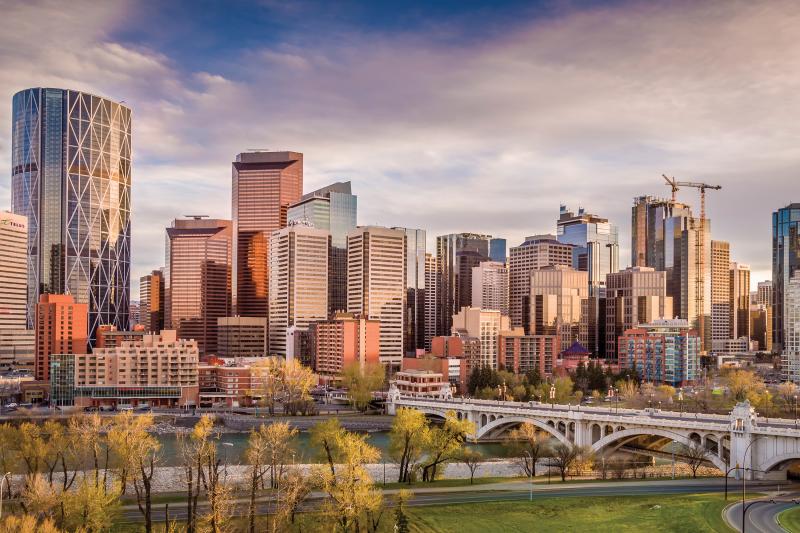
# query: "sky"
446,115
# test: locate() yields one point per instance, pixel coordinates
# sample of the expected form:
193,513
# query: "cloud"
586,107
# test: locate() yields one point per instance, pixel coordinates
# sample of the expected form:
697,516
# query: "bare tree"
473,459
529,445
565,456
694,456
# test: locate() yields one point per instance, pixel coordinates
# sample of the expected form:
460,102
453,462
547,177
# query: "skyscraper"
790,355
151,301
764,293
197,279
490,286
456,254
498,250
376,285
71,177
720,293
333,209
298,283
596,245
740,300
785,261
16,340
265,184
536,252
431,298
667,237
636,295
415,287
557,301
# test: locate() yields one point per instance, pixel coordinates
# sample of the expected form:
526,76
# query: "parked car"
91,409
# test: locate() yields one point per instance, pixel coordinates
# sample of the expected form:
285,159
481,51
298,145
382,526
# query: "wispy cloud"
586,107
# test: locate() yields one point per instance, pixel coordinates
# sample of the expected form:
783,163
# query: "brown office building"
197,279
62,327
265,184
151,301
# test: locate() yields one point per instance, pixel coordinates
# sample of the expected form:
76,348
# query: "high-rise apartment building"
61,328
414,328
740,300
298,283
596,245
17,342
151,300
265,184
785,262
333,209
790,355
536,252
484,325
490,286
456,254
71,177
241,336
557,303
720,292
376,285
667,237
636,295
197,279
520,353
431,298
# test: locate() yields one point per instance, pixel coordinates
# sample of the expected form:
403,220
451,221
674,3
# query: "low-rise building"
664,351
231,385
454,368
157,370
422,383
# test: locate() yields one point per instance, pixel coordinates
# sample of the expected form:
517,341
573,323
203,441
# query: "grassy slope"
790,519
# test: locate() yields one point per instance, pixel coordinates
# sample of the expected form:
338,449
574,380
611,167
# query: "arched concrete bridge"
765,447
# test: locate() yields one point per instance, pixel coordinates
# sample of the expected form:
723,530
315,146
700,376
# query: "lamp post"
5,476
552,396
680,399
530,473
795,410
744,476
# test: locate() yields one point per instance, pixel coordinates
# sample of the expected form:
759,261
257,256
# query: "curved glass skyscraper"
71,176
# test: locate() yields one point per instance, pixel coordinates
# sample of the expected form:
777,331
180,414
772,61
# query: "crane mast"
700,256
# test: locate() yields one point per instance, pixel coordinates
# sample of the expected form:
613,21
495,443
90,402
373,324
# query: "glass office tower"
71,176
333,209
414,319
456,254
785,261
596,245
497,250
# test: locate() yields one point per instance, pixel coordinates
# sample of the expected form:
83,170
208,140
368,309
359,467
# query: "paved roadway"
762,515
509,491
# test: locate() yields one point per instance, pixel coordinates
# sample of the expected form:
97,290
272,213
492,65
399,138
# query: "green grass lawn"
696,512
790,519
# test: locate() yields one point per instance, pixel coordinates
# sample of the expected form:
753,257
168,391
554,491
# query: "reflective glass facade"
785,261
414,329
596,244
456,254
333,208
71,176
497,250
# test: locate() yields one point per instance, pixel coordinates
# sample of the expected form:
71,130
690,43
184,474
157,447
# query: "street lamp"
530,472
795,410
552,396
680,399
744,476
5,476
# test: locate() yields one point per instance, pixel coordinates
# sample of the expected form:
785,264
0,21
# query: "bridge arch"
609,440
780,462
513,420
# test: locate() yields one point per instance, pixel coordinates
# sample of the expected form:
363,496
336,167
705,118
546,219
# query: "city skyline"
660,107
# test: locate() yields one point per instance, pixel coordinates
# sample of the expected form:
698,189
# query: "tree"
297,382
565,456
268,451
294,489
444,444
694,456
195,448
407,440
39,498
266,376
529,445
27,524
361,382
745,385
352,500
400,517
90,506
472,459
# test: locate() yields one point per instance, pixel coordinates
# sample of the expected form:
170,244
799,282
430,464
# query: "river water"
232,447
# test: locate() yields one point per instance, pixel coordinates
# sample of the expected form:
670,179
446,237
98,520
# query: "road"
761,515
510,491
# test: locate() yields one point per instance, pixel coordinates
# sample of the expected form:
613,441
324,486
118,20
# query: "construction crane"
700,258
